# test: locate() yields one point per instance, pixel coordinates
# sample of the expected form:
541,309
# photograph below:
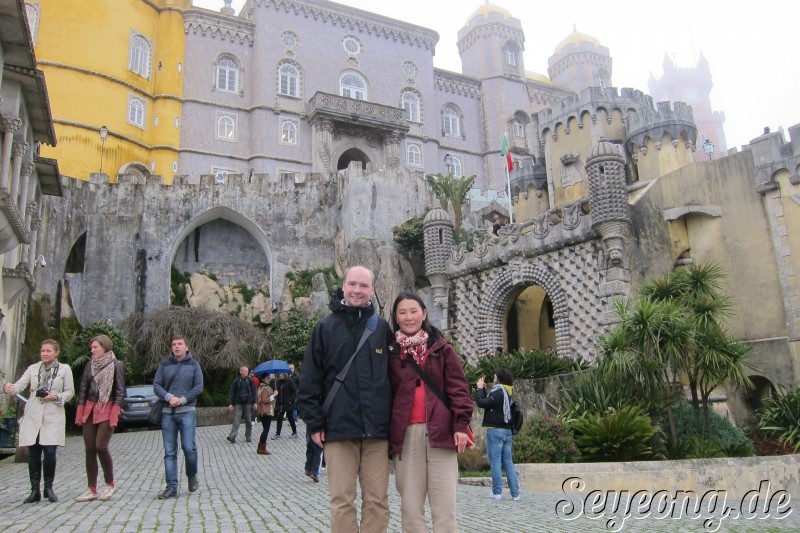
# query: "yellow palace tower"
115,75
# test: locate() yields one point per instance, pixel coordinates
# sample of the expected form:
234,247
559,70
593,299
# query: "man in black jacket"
354,431
242,398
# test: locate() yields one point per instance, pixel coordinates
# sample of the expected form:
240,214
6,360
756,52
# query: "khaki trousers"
419,471
367,461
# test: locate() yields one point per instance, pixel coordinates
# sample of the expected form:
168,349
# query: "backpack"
516,418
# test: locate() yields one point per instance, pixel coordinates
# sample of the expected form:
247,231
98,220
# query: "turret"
579,62
438,233
491,44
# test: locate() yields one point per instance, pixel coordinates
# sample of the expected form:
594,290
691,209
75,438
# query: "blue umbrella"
276,366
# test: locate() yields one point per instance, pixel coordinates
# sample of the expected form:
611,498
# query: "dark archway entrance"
530,324
353,154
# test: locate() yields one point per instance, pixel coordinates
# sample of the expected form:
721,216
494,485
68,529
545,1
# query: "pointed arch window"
136,111
353,86
411,106
226,127
288,80
227,78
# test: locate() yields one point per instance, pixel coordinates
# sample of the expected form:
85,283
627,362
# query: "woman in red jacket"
100,399
431,411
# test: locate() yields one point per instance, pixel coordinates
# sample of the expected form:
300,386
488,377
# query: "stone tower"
438,232
580,61
611,219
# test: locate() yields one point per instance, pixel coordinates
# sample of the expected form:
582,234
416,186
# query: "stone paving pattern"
243,491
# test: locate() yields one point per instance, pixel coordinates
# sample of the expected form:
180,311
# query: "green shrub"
300,281
178,282
524,364
543,439
622,435
409,237
593,392
247,293
291,336
472,460
75,349
780,416
689,423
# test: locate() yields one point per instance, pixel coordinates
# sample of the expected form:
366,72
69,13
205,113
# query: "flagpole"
508,184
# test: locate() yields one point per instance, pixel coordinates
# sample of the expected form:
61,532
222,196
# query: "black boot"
49,475
35,473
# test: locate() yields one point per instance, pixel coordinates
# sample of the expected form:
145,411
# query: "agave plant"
780,415
622,435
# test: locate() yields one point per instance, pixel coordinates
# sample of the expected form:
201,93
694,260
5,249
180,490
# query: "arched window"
227,74
510,56
139,55
353,86
453,165
519,129
451,122
136,111
411,106
226,128
288,80
414,155
288,132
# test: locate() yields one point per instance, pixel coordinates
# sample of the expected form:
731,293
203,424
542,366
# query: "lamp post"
103,137
708,148
448,162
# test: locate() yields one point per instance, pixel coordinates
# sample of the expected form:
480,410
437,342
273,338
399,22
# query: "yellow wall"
91,89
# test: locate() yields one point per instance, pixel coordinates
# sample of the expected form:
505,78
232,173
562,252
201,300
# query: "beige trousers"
419,471
367,461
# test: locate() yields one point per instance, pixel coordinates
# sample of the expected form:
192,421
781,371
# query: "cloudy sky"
751,50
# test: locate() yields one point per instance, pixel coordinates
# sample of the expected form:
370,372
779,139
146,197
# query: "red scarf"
416,345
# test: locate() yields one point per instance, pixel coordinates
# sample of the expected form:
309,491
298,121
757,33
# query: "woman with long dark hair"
431,411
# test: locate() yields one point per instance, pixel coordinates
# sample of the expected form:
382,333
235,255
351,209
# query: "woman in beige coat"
264,413
43,425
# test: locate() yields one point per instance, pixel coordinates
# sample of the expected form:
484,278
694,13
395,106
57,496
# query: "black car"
136,406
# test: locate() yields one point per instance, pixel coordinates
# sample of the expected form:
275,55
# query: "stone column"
20,149
323,139
10,126
27,171
32,247
391,150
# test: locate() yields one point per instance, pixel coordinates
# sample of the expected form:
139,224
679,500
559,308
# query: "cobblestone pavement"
243,491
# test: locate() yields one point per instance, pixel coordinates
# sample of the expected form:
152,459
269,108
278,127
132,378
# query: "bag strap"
372,325
175,375
428,381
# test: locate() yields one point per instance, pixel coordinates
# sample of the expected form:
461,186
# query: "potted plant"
9,427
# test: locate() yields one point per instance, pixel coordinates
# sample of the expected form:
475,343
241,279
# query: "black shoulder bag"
372,325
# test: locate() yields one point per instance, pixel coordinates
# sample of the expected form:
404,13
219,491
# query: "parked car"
136,406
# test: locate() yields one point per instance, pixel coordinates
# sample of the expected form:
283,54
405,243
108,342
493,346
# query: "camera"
41,393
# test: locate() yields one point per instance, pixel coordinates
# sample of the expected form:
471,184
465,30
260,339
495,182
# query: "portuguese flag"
506,153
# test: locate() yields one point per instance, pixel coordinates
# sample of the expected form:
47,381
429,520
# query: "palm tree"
451,190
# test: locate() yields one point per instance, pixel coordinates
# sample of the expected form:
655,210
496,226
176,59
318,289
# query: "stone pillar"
20,149
27,172
10,126
32,247
323,141
391,150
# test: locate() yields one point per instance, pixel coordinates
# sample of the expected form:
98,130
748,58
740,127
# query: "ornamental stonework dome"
485,9
603,148
577,38
437,214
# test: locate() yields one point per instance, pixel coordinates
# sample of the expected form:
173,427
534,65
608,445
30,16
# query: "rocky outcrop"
202,291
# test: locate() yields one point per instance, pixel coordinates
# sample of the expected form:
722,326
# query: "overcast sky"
751,47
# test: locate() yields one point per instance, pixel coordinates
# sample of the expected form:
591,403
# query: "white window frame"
411,106
32,15
414,155
519,129
455,163
230,123
140,54
137,111
228,67
288,82
356,91
289,174
451,122
510,56
288,132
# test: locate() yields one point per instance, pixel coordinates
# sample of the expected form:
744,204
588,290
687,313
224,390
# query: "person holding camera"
496,404
42,428
100,399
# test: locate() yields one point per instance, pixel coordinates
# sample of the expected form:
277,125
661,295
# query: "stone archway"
504,289
351,155
227,214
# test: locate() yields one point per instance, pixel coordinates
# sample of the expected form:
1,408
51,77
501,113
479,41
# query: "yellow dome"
535,76
576,37
484,10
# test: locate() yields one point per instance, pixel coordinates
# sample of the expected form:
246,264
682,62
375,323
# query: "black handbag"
154,417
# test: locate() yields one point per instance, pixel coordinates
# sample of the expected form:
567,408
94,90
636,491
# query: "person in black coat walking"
286,402
242,400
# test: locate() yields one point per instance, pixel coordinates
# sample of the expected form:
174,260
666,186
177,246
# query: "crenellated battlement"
590,101
675,119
